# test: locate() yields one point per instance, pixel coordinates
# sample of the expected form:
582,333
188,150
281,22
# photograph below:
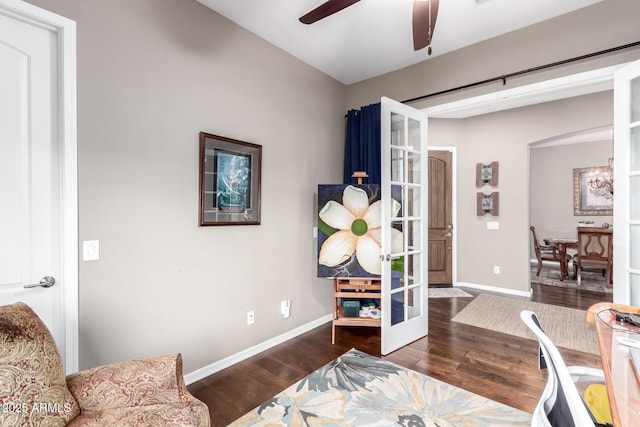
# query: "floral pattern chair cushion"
33,390
143,392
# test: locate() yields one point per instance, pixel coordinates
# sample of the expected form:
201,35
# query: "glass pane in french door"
634,250
634,190
634,149
635,100
634,202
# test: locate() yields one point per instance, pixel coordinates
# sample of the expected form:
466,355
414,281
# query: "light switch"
90,250
285,307
493,225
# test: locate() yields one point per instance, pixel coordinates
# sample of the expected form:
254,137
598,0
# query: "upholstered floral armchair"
35,392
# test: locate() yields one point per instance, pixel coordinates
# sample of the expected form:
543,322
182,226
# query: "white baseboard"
494,289
211,369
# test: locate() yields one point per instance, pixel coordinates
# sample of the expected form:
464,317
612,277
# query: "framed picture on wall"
229,181
593,191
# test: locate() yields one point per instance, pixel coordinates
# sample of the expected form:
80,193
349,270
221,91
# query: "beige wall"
605,25
505,137
152,74
552,186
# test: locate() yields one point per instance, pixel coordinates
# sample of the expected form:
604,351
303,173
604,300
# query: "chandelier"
602,183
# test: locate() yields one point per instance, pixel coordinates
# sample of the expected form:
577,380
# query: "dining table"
563,243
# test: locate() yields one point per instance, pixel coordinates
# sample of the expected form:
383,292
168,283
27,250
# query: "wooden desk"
623,384
563,243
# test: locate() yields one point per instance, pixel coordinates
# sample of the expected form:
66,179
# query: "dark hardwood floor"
491,364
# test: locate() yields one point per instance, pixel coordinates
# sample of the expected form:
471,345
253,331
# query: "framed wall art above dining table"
593,191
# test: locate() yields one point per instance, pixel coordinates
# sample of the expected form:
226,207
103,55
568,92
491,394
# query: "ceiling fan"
425,13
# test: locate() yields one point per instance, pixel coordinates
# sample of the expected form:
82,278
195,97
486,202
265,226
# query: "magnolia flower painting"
349,230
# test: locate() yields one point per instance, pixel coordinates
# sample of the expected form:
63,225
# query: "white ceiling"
373,37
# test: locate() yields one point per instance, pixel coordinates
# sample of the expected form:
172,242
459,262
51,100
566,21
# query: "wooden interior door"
440,217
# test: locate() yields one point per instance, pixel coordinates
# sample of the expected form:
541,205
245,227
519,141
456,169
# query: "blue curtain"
362,148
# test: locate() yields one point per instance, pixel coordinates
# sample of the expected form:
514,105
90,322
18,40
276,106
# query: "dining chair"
546,252
595,250
561,403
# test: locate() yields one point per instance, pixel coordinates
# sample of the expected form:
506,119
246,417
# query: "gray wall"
152,74
605,25
505,137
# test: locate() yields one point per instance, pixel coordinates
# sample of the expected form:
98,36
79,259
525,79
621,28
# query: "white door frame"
66,31
592,81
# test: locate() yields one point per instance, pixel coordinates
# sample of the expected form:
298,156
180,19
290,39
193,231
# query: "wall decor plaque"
488,204
487,174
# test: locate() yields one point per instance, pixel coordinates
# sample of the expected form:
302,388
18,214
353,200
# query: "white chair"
561,403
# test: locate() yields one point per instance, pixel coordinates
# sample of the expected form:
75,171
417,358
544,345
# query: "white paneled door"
404,225
38,219
626,207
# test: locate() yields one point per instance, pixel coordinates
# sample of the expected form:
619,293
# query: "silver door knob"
45,282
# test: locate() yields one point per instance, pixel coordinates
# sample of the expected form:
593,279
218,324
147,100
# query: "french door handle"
45,282
448,234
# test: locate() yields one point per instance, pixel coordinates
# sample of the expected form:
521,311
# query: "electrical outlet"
251,317
496,269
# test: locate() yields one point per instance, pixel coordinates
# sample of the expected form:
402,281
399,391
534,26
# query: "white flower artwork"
350,232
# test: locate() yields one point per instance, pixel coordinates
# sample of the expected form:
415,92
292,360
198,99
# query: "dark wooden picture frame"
487,174
230,178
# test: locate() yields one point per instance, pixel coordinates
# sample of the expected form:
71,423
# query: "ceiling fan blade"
327,8
425,13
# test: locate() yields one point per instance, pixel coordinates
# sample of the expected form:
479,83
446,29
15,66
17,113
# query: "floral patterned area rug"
591,280
357,389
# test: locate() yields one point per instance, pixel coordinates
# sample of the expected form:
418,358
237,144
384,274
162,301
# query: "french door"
626,208
405,226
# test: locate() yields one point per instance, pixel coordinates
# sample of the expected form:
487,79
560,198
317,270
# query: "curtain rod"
504,77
